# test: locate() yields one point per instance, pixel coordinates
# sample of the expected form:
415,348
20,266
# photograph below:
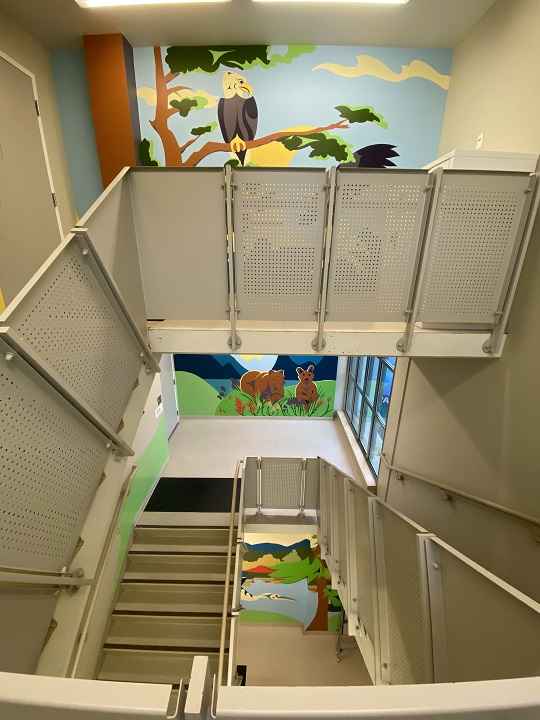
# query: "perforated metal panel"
490,630
473,240
70,322
377,231
279,229
362,562
402,585
281,483
342,533
52,461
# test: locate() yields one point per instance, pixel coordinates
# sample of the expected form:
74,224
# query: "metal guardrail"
460,493
101,570
225,611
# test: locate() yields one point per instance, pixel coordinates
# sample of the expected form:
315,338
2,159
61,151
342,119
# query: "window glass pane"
384,390
356,410
361,371
376,445
353,364
365,425
391,361
350,395
371,380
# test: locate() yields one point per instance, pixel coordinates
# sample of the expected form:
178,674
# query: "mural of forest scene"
285,580
297,105
255,385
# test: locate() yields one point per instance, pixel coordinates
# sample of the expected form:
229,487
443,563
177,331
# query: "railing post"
494,345
234,341
430,201
319,342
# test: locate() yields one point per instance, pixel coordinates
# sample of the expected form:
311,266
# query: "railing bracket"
236,344
486,347
315,343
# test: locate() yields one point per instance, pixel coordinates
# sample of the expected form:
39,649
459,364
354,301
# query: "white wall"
19,45
475,424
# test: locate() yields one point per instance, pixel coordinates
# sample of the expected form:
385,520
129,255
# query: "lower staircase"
169,605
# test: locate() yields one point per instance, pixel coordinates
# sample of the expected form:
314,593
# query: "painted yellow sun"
247,358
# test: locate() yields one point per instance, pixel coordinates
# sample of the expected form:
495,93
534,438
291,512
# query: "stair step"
199,633
181,568
154,598
181,540
151,666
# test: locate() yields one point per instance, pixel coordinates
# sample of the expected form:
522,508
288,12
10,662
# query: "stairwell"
169,605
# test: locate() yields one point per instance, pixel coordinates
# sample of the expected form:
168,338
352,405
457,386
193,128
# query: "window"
367,398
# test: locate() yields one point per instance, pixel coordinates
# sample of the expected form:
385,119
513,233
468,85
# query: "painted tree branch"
212,147
177,88
160,123
189,142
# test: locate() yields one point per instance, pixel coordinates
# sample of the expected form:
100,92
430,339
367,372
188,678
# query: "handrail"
31,581
453,491
101,568
227,578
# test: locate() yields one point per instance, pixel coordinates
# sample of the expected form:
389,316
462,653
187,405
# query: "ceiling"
60,24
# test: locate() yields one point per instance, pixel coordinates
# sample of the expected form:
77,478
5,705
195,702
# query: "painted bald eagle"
237,115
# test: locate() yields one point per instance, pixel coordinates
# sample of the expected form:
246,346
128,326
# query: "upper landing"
348,262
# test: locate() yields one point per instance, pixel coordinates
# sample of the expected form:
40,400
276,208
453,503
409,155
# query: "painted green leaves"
361,114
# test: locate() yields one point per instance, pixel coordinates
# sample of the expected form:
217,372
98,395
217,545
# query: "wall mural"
285,580
299,105
249,385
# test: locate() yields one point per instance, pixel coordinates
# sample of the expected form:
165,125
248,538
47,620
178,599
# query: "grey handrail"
31,581
225,610
460,493
101,568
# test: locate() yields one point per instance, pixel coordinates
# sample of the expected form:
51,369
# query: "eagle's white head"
235,84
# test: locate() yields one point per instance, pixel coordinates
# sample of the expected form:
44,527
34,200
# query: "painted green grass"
264,616
150,464
237,402
195,395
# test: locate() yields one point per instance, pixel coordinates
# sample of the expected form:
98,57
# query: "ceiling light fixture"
358,2
122,3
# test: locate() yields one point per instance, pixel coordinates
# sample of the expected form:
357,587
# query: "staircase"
169,605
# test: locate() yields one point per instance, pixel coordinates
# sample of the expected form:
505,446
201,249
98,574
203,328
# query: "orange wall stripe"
110,95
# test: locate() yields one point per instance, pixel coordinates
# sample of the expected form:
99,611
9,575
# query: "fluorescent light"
119,3
358,2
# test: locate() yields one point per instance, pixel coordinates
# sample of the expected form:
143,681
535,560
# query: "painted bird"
373,156
237,114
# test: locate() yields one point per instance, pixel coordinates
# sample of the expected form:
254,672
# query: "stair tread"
197,598
164,567
175,631
153,666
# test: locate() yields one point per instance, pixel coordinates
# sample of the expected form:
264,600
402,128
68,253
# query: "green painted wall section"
150,464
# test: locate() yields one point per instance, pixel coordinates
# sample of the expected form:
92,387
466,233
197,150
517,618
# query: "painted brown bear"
306,390
265,385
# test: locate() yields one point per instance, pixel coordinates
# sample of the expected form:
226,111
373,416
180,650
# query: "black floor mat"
192,495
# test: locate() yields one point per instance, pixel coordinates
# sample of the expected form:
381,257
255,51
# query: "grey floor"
210,447
283,655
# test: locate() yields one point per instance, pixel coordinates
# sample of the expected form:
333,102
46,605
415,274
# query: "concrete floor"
210,447
283,655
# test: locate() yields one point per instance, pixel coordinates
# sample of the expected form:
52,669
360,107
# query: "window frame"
384,364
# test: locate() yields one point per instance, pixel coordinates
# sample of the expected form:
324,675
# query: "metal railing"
460,493
101,569
225,611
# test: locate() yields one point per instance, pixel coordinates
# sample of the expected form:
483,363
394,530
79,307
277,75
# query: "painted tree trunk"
320,620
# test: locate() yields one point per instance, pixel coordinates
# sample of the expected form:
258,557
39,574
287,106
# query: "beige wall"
495,82
475,424
19,45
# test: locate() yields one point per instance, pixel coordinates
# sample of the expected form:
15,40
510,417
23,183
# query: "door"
29,221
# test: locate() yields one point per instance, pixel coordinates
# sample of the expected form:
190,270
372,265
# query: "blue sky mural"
249,385
290,92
